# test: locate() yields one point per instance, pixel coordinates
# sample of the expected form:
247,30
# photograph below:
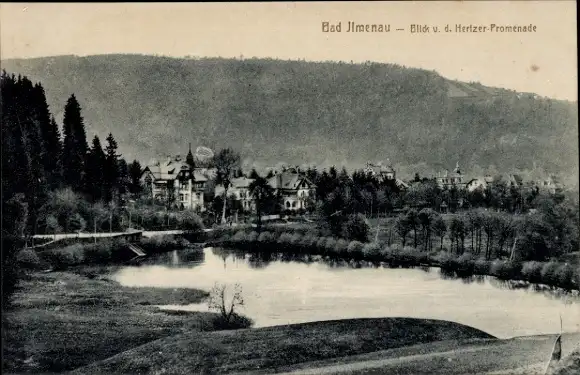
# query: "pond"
281,290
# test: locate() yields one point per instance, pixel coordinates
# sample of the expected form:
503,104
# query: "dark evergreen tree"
122,182
74,145
94,170
135,172
111,169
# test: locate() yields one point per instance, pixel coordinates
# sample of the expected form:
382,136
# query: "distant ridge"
310,112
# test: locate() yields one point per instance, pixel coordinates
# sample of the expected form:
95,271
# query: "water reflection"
294,288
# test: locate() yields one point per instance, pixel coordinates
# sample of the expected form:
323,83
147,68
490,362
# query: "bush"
341,247
566,276
27,258
355,228
465,264
239,237
61,259
330,245
371,251
505,270
265,237
321,244
295,239
285,238
549,273
481,267
532,271
189,220
355,248
236,322
446,261
252,236
99,252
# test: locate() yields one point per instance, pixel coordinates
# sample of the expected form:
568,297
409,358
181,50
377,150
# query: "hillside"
304,112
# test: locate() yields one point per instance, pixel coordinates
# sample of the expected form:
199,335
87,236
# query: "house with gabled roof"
176,181
239,190
294,188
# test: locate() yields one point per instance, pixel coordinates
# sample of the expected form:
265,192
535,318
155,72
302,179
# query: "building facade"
294,188
239,191
449,180
176,183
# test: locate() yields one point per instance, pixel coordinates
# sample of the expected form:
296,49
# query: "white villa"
175,179
240,191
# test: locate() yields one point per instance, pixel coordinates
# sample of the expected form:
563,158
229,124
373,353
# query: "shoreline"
552,274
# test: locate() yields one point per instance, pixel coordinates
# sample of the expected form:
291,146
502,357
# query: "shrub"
355,248
465,264
189,220
446,261
481,267
355,228
505,270
341,247
549,273
285,238
98,252
252,236
321,244
239,237
236,322
565,274
330,245
28,258
61,259
295,239
265,237
371,251
532,271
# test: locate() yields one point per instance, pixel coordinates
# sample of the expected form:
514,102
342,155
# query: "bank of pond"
565,275
296,243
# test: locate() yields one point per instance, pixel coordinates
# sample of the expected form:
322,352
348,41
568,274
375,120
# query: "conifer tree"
74,145
50,138
111,169
135,172
95,171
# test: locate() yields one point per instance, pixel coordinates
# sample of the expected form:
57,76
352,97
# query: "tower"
189,159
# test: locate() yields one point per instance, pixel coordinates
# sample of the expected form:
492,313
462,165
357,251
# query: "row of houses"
188,185
448,180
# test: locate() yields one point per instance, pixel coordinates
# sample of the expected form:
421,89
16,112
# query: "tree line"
42,164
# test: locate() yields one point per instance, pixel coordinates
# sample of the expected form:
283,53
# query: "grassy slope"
569,365
296,111
63,320
274,347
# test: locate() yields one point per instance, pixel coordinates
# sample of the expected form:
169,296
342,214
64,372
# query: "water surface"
279,290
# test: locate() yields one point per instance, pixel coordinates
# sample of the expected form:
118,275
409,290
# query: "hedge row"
554,274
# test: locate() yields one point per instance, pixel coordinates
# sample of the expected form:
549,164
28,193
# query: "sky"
544,62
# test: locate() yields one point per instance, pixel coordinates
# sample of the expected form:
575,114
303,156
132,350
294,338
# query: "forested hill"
296,111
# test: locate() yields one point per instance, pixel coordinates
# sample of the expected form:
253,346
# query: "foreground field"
277,347
63,320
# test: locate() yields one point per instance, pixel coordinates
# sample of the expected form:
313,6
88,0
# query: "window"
181,197
198,195
293,204
287,204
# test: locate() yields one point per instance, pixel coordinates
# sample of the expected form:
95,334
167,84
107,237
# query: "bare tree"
225,305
